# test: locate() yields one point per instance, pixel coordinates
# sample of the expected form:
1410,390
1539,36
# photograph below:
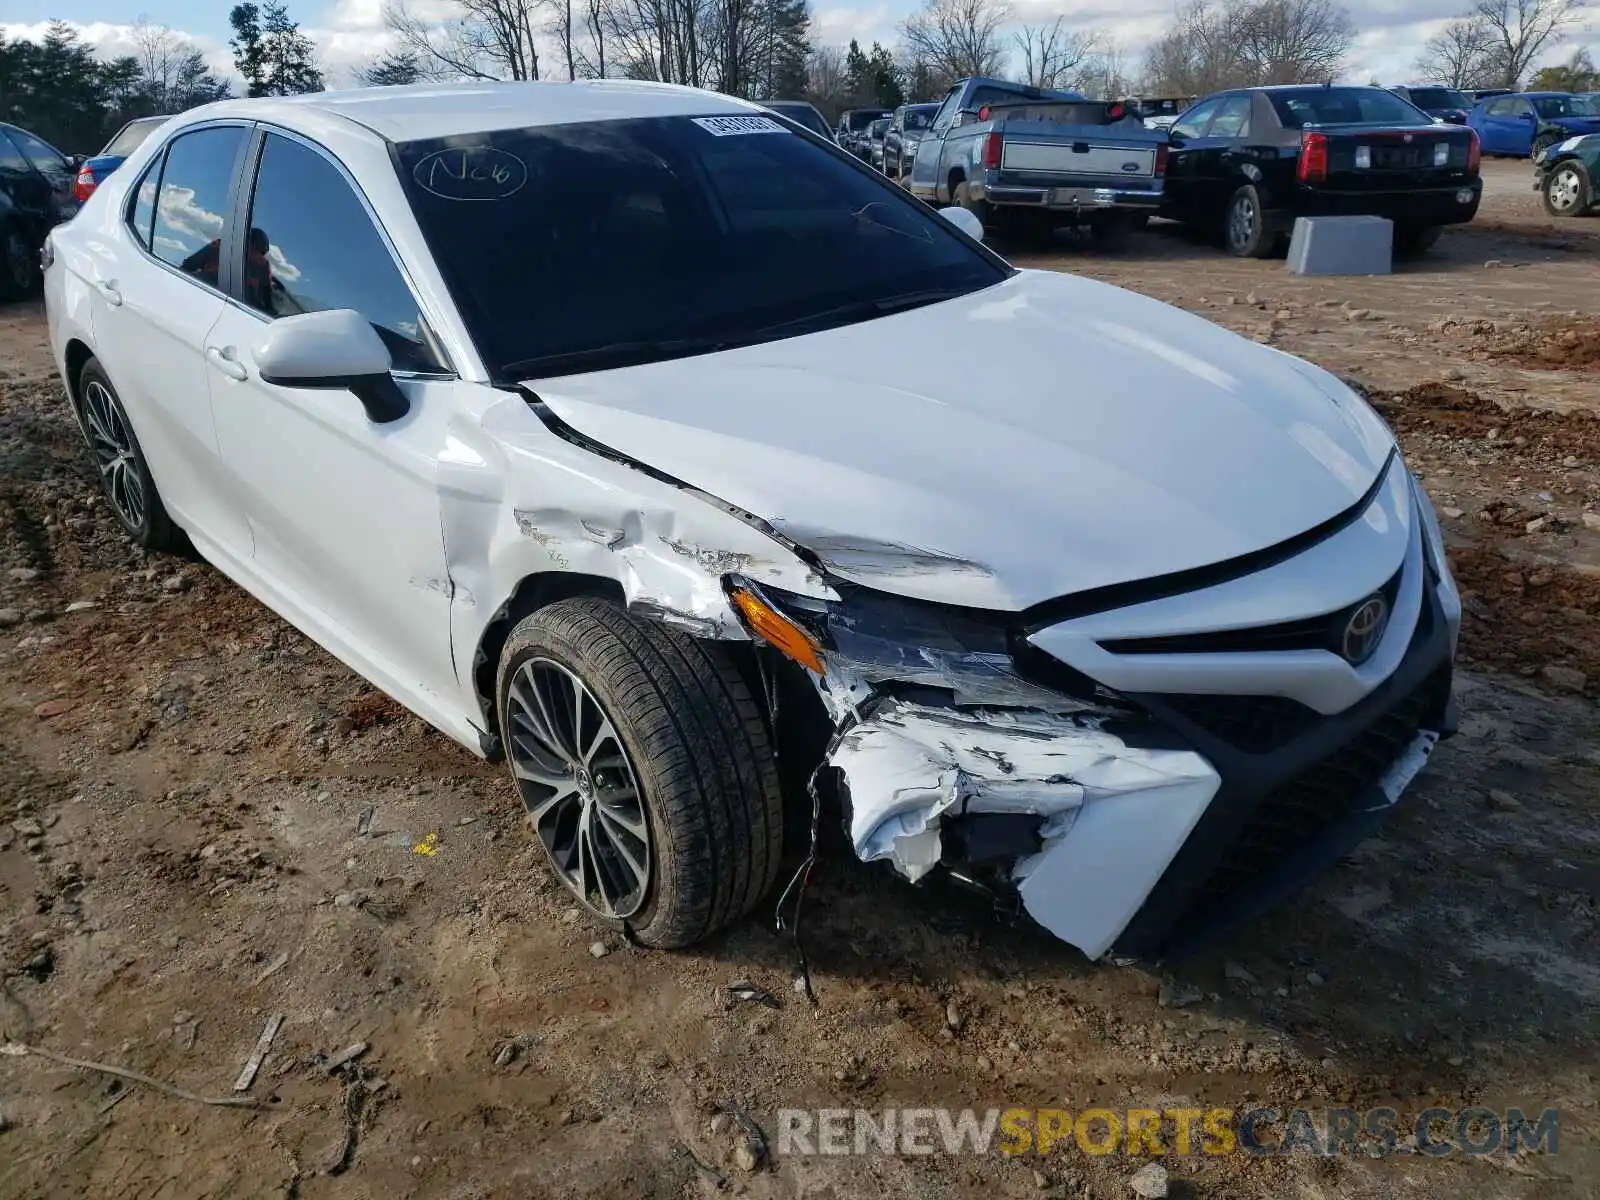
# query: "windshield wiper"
618,354
866,310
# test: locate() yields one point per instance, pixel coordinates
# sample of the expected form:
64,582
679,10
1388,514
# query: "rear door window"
192,201
1233,119
1193,123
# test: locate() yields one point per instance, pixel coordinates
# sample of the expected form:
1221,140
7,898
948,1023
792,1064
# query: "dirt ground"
183,777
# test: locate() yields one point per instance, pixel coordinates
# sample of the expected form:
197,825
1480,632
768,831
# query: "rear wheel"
1245,225
1411,240
1568,191
1110,233
1545,140
982,209
19,263
644,767
124,473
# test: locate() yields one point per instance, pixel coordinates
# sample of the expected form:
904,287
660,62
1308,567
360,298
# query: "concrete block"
1341,246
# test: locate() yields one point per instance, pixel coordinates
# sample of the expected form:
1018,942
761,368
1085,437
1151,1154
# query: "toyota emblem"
1364,630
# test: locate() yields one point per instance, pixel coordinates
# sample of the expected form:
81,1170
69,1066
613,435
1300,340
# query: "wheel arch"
531,593
76,355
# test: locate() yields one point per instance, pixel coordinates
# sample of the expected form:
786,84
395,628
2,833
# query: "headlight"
881,640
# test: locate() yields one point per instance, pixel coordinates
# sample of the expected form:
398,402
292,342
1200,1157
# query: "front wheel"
1568,191
644,767
1245,227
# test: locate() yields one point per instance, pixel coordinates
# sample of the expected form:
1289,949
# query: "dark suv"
35,193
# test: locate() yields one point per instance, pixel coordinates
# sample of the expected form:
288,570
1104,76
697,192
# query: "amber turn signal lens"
778,630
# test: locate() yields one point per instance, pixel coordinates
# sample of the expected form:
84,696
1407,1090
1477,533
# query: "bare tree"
562,29
173,74
1519,29
594,24
484,39
1245,43
1458,56
1053,54
1293,41
958,37
1105,74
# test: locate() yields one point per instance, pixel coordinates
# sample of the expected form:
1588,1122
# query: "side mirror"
337,349
965,220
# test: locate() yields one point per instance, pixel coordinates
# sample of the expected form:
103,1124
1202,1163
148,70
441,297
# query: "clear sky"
350,32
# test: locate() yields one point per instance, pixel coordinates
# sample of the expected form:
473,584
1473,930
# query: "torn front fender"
1112,815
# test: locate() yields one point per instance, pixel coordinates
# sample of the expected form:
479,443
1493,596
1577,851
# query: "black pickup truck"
1248,162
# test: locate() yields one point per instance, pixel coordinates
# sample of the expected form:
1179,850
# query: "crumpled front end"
1141,769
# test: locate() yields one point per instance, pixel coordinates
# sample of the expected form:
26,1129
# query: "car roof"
423,112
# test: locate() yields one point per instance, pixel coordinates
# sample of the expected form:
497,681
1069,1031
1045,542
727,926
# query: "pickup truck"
1028,159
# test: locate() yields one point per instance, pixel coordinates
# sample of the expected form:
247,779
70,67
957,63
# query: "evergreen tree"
394,68
274,57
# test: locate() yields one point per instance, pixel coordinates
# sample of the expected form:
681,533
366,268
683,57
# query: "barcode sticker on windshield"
731,126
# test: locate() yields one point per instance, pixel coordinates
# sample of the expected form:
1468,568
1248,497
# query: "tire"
982,209
1244,225
1567,190
120,462
20,273
1544,141
1413,240
688,737
1110,234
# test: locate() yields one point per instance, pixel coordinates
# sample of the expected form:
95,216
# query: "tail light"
1474,152
1161,159
983,113
83,186
991,151
1313,166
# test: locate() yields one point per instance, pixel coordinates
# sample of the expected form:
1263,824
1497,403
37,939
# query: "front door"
344,512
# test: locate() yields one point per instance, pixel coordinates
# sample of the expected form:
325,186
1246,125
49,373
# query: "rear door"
25,195
54,169
1220,154
158,290
1185,188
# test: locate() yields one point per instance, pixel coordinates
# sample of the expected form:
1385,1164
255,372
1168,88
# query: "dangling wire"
797,886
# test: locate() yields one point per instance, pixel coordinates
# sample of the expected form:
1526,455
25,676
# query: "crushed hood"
1044,436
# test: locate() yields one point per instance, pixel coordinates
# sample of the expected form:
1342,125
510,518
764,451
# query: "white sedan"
648,442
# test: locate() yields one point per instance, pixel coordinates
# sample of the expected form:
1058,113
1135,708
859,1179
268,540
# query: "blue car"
1519,122
1448,104
93,170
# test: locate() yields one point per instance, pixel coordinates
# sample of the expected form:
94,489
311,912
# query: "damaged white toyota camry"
654,444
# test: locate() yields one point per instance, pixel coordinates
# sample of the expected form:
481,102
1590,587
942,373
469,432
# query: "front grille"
1295,813
1325,632
1254,724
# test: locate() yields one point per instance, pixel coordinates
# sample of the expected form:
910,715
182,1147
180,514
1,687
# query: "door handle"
108,289
223,358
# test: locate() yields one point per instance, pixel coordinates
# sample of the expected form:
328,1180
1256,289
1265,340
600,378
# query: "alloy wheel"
1241,221
114,453
1564,189
579,788
21,263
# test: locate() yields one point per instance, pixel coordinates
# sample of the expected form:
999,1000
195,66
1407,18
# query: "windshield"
133,133
1587,106
1439,98
878,128
803,114
1343,106
1558,106
920,118
862,118
604,243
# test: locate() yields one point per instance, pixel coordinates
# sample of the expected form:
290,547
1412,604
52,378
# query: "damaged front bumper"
1131,825
1106,817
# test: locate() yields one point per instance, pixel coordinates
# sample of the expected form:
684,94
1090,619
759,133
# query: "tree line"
764,49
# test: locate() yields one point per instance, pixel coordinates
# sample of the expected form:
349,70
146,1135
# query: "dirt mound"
1526,618
1458,412
1563,343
